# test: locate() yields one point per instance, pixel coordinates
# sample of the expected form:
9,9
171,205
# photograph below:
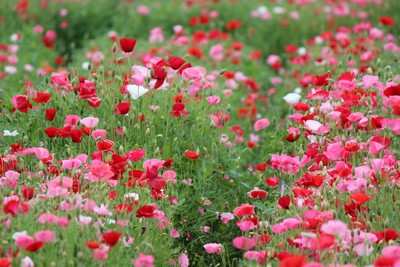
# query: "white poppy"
136,91
8,133
292,98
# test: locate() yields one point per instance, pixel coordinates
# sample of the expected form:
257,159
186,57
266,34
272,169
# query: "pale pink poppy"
245,226
335,151
226,217
45,236
61,181
101,253
90,122
72,120
334,227
183,260
213,100
363,249
212,248
99,171
144,260
174,233
261,124
99,134
70,164
143,10
242,242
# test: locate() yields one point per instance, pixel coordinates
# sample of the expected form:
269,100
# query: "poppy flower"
175,62
92,244
111,238
127,44
284,202
35,246
51,132
387,21
145,212
293,261
50,114
5,262
42,97
178,110
244,210
233,25
192,154
122,108
257,193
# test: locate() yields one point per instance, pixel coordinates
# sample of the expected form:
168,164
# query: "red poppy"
175,62
178,110
50,114
293,261
92,244
76,136
145,212
42,97
111,238
244,210
94,102
51,132
123,208
21,103
272,181
5,262
192,154
127,44
233,25
105,145
387,21
359,198
284,202
385,261
27,193
257,193
122,108
35,246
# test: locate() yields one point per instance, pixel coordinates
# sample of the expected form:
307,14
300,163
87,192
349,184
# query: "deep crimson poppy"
127,44
35,246
175,62
122,108
387,21
111,238
51,131
145,212
284,202
50,114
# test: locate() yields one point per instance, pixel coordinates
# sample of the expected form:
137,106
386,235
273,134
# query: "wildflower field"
199,133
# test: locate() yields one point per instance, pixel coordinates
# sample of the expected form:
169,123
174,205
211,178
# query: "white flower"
8,133
301,51
297,90
132,195
85,65
278,10
262,9
27,262
292,98
136,91
16,235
